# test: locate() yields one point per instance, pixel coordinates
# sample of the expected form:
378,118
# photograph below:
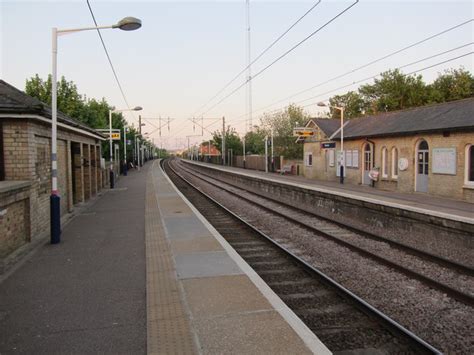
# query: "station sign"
115,133
328,145
303,132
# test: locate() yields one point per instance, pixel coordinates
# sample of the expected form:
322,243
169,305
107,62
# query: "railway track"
343,321
421,264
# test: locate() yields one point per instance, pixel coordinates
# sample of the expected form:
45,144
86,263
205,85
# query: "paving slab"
227,306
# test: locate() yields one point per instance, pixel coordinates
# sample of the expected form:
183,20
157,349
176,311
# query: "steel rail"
365,306
456,294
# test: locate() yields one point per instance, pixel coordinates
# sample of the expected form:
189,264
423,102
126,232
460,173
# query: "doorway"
368,164
422,164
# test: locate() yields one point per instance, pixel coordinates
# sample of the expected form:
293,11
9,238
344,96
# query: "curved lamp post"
341,109
112,175
126,24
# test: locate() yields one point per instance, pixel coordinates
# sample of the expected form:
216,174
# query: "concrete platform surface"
221,305
457,210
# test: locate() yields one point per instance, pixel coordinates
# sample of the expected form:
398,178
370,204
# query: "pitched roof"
16,101
328,126
454,115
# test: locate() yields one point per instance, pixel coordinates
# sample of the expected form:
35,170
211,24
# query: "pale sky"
186,51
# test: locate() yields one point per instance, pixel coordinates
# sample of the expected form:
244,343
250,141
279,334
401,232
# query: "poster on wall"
355,158
444,161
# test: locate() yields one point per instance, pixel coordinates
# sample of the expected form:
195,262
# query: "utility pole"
266,154
140,135
223,141
209,152
273,163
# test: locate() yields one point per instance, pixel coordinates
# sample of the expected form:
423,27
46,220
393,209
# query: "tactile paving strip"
168,328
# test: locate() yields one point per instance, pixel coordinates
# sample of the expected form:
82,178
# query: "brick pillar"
93,170
70,170
87,170
78,171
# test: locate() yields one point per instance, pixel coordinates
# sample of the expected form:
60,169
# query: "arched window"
394,163
384,162
469,166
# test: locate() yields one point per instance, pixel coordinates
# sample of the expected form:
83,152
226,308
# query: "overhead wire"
282,56
363,66
259,56
109,59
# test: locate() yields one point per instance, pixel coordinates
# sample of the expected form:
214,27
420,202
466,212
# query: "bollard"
111,179
55,219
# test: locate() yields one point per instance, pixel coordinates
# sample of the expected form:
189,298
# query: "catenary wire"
258,57
363,66
109,59
281,56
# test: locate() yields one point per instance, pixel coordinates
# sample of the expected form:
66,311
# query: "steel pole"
125,165
55,211
342,147
111,155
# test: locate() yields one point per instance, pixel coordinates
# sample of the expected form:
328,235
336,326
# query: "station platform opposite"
456,210
202,297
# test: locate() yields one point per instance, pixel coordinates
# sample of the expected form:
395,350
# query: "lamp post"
126,24
341,109
112,176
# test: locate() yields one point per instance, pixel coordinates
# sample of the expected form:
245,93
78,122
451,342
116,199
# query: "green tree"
282,125
232,141
254,141
454,84
394,91
353,103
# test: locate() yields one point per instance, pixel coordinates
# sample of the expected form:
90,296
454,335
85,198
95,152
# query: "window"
331,157
469,164
348,158
309,159
394,163
384,163
355,158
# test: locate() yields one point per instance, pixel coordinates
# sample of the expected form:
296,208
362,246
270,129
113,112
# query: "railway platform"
140,271
451,209
202,297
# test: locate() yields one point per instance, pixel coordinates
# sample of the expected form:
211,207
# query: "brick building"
427,149
25,167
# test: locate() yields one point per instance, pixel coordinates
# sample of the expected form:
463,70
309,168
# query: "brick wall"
451,186
27,152
14,220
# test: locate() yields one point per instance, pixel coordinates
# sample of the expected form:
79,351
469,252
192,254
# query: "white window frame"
394,163
307,160
384,162
467,164
331,157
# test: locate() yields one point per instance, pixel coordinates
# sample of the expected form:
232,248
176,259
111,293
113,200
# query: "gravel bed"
443,248
440,320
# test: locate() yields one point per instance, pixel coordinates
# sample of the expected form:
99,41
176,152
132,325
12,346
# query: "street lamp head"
128,24
322,104
137,108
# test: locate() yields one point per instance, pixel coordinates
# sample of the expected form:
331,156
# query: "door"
422,163
368,164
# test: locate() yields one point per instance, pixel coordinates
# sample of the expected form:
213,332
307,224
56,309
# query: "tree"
254,141
454,84
282,125
353,103
232,141
394,91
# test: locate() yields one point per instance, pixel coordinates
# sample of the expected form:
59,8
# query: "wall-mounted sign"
328,145
402,164
444,161
303,132
116,136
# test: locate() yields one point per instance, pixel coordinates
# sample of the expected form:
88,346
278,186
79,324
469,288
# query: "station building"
427,149
25,167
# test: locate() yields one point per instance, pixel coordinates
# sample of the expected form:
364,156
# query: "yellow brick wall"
451,186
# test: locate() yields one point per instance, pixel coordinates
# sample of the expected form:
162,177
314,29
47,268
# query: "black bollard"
55,219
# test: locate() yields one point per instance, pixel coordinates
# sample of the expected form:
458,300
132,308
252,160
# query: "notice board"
444,161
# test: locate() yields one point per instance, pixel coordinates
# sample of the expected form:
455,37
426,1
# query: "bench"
286,169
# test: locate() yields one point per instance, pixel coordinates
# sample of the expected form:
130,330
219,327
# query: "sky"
186,51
